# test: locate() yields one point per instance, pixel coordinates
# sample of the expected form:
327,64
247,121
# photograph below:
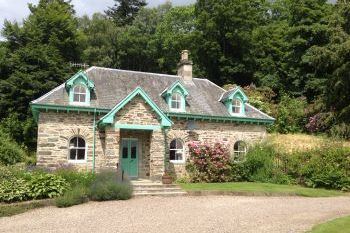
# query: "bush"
43,185
74,177
208,163
329,167
341,131
290,115
78,195
10,151
109,186
14,189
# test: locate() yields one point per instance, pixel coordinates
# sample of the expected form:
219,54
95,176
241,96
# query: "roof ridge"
130,71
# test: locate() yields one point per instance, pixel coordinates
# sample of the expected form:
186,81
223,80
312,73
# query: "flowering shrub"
208,163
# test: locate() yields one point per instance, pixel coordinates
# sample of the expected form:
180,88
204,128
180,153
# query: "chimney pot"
185,66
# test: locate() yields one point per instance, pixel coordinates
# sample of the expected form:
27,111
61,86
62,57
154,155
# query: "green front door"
130,156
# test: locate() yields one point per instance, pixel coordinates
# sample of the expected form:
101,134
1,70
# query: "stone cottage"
141,122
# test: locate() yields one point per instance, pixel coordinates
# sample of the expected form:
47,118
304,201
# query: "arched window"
79,94
176,151
236,106
239,150
176,101
77,149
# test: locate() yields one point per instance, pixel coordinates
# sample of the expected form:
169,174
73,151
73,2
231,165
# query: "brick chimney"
185,66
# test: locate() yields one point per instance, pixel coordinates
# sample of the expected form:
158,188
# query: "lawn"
339,225
261,188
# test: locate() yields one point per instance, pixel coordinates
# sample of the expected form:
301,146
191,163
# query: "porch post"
157,155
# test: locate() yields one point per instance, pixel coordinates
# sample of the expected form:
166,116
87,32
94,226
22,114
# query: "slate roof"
113,85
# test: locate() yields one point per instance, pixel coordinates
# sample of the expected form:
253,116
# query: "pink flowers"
208,163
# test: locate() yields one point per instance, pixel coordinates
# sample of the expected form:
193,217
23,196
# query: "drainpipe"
94,143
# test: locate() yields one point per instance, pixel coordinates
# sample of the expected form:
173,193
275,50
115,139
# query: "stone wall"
210,132
137,112
56,129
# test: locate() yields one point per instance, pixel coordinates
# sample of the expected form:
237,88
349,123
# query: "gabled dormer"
79,88
175,96
234,101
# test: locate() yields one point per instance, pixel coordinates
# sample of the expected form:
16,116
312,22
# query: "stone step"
155,190
163,194
149,188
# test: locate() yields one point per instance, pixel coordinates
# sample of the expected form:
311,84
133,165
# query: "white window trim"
75,161
180,101
182,151
240,113
80,93
237,152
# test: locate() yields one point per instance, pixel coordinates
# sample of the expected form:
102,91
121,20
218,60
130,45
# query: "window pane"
72,154
81,154
172,155
82,98
73,142
178,155
133,149
81,142
178,144
173,144
76,98
236,109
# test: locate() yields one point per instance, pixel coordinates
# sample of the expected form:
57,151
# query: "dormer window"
79,88
234,100
175,96
236,106
79,94
176,102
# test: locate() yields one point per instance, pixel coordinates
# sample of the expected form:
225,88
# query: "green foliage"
108,186
43,185
328,167
14,189
77,195
124,11
10,151
208,163
75,178
290,116
341,131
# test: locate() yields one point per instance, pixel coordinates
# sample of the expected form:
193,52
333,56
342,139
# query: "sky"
18,9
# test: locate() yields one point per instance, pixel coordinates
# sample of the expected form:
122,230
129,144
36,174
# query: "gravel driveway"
183,214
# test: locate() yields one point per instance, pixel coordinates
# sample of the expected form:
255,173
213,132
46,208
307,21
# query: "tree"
124,11
224,38
332,60
37,56
175,33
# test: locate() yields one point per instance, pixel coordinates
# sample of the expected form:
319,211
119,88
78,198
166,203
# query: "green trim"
94,144
176,86
80,76
87,97
36,108
109,117
139,127
237,94
229,119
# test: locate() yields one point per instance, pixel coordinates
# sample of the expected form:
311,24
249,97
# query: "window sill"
77,161
177,161
176,110
79,104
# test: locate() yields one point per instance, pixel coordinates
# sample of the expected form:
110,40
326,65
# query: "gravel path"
183,214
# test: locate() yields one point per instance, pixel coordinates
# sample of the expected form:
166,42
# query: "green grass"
7,210
261,188
339,225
